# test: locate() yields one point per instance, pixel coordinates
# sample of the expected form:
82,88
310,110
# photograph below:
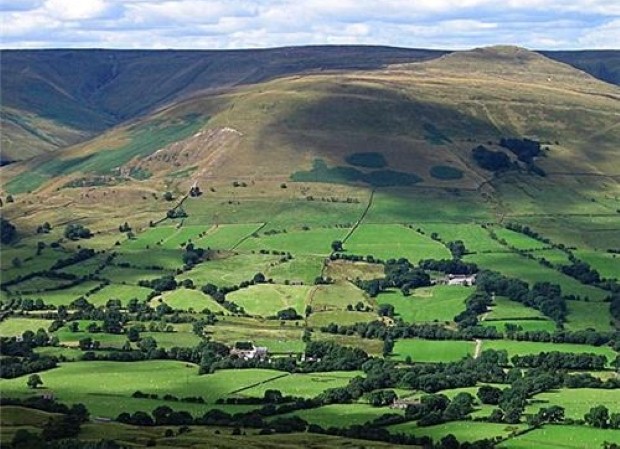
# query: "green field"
433,350
462,430
577,402
518,240
267,299
230,270
337,296
513,265
67,295
392,242
226,236
14,326
562,437
315,241
505,309
186,299
474,236
106,387
524,325
304,269
607,264
343,415
584,315
119,291
302,385
428,304
514,347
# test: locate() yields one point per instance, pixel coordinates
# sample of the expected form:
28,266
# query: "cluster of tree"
400,330
561,360
45,228
193,255
8,232
437,408
398,274
356,258
587,337
525,149
177,212
614,306
270,396
457,249
552,415
599,417
162,284
581,271
82,255
330,356
76,231
449,266
288,314
13,367
491,160
543,296
124,227
587,380
476,304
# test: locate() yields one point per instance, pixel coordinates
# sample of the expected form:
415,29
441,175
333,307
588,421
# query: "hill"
83,92
56,98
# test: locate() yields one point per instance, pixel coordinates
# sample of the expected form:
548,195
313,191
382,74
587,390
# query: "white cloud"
266,23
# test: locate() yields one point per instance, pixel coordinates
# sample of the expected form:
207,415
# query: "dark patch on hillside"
602,64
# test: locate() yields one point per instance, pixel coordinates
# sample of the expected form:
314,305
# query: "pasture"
267,299
522,325
106,387
393,241
314,241
562,437
505,309
230,269
518,240
343,415
439,303
576,401
301,385
514,265
187,299
432,350
463,430
226,236
14,326
474,236
514,347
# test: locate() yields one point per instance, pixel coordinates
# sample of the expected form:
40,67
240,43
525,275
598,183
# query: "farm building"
247,351
461,279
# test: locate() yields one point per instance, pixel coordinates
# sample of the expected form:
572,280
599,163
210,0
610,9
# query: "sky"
208,24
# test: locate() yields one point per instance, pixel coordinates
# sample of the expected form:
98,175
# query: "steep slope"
83,92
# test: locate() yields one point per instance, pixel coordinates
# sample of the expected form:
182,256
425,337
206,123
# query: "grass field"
303,385
106,387
562,437
124,275
530,347
337,296
518,240
304,268
343,415
318,319
504,309
119,291
226,236
474,236
553,255
277,339
65,296
345,270
230,270
513,265
186,299
577,402
584,315
166,258
428,304
607,264
14,326
267,299
315,241
394,241
432,350
525,325
462,430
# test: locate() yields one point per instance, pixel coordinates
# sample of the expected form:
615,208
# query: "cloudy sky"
450,24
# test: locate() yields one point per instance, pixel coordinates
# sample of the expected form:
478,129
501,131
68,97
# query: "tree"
388,346
168,196
75,231
597,417
34,380
7,231
489,395
385,310
133,334
337,246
